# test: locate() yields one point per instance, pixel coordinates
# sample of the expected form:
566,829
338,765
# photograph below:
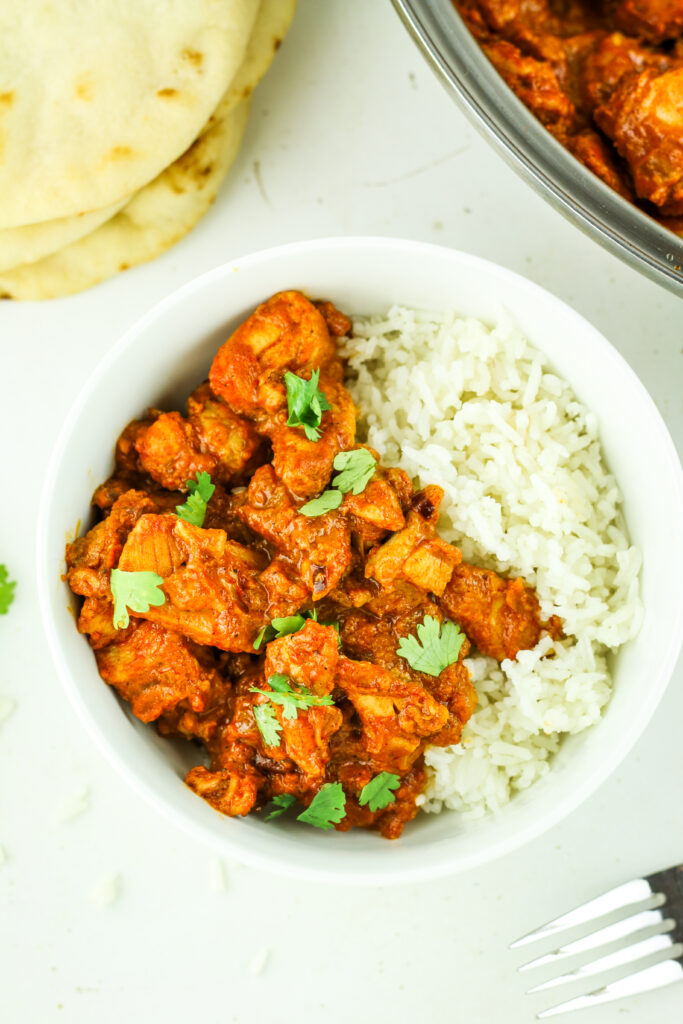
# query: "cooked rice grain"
480,412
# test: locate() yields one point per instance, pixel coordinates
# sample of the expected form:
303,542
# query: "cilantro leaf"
286,625
268,724
293,623
280,683
288,703
260,636
357,468
194,509
326,808
327,501
203,486
291,701
6,590
283,801
134,590
279,627
306,403
438,646
377,793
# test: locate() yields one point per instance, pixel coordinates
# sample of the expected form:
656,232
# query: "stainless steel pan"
533,152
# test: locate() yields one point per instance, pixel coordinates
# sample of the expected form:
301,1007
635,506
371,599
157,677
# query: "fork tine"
648,922
624,957
657,976
620,898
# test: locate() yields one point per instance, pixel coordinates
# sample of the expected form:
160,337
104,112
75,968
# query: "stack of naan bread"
118,123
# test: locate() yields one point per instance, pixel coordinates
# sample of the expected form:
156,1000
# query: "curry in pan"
605,77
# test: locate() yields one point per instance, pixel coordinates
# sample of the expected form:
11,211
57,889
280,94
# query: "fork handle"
670,883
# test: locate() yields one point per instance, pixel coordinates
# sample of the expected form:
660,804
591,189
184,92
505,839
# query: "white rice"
480,412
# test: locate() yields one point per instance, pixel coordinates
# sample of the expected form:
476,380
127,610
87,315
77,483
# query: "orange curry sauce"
372,569
605,77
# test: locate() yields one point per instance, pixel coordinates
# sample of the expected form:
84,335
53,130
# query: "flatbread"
32,242
271,27
96,98
166,209
155,218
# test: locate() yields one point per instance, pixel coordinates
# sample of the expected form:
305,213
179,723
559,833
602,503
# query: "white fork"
627,941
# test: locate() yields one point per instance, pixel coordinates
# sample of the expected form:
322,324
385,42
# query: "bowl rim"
440,866
497,113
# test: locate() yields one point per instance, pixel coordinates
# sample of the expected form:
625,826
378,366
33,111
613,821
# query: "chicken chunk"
338,324
304,741
196,725
212,587
455,690
285,333
593,152
305,466
96,620
169,452
644,117
155,670
288,333
374,632
214,440
126,454
309,657
231,785
415,552
112,489
318,547
396,715
655,20
614,58
502,617
349,766
90,559
536,84
230,439
380,507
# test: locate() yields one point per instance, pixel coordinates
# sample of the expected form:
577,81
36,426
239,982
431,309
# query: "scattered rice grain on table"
526,492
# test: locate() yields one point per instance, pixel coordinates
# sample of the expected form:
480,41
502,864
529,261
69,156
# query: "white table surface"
350,133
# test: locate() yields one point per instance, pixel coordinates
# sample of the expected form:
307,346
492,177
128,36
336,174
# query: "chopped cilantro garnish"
194,509
260,636
290,700
377,794
283,801
327,501
306,403
134,590
438,646
357,468
326,808
287,625
281,627
279,682
6,590
268,724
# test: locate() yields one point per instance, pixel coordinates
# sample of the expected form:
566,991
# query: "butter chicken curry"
605,77
260,584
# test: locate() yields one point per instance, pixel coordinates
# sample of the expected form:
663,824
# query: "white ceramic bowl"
163,357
